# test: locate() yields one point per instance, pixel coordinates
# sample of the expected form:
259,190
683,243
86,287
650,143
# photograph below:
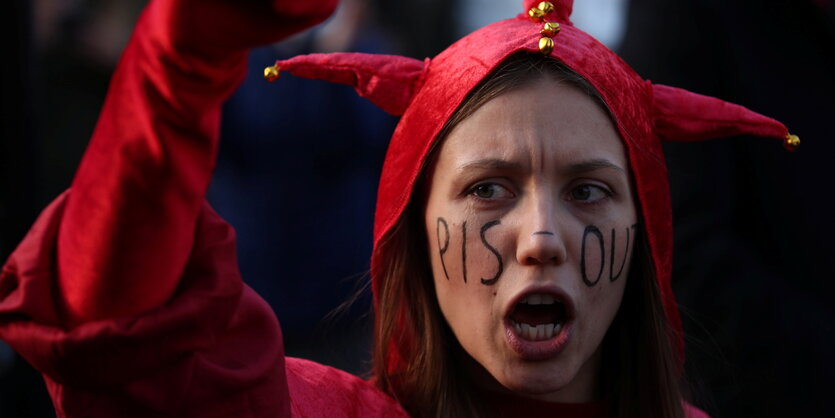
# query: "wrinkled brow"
490,164
574,168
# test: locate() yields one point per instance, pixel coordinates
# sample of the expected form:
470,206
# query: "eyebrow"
592,165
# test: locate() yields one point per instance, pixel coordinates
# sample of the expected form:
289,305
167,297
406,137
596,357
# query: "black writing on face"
495,252
612,275
443,248
591,230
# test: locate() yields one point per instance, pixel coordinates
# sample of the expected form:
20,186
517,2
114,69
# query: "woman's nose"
539,241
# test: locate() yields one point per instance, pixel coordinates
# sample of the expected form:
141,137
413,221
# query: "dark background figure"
754,224
297,175
25,167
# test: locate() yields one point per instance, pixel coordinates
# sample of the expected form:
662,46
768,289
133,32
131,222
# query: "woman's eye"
490,191
589,193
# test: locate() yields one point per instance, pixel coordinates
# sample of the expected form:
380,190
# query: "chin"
540,380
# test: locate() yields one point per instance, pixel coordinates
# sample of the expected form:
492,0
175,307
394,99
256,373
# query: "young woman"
527,175
522,239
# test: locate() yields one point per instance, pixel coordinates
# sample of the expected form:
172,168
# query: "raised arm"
130,218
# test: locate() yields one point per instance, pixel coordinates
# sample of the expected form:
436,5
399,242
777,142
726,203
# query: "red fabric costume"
126,294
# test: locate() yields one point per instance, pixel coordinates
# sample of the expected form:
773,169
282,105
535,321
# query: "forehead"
542,123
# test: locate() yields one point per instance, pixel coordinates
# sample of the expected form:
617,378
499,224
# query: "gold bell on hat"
546,7
546,45
271,73
791,142
539,12
550,29
535,14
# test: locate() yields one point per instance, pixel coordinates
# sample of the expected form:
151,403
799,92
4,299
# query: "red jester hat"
427,93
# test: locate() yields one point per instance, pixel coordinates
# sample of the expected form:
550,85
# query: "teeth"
528,332
539,332
539,299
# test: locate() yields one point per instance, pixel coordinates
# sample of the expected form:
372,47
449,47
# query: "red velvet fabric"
213,349
140,185
684,116
389,81
322,391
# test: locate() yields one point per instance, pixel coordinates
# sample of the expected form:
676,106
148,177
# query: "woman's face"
530,222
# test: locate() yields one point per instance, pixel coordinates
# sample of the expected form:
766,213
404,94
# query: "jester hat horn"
427,93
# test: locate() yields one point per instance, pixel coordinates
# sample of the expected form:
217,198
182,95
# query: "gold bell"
546,7
791,142
550,29
271,73
546,45
536,15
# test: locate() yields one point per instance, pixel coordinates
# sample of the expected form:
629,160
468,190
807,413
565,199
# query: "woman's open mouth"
538,317
538,325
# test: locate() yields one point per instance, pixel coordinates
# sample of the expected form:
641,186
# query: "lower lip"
537,350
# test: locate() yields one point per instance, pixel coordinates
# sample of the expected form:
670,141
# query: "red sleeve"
321,391
213,349
140,185
126,294
691,411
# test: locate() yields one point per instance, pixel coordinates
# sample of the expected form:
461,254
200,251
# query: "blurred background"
754,223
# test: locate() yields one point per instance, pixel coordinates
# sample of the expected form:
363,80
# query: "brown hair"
639,369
